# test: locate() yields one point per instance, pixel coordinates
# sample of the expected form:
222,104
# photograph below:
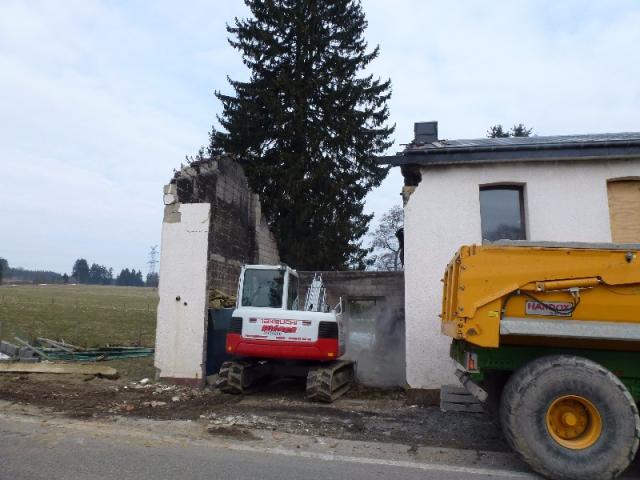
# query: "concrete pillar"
182,310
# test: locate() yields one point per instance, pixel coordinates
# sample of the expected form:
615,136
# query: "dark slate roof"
529,141
491,150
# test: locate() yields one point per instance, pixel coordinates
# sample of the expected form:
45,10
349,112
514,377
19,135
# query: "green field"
80,314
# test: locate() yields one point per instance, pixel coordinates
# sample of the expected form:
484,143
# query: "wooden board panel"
46,367
455,398
624,210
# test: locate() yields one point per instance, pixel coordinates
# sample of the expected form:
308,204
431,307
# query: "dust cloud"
375,339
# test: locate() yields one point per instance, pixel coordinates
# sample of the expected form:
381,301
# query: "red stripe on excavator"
323,349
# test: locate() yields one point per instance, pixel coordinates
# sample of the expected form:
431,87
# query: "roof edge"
473,155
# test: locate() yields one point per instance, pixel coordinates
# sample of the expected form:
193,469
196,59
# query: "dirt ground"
362,414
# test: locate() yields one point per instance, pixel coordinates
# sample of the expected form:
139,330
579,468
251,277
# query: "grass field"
81,314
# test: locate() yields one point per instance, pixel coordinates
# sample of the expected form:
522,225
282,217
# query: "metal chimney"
425,132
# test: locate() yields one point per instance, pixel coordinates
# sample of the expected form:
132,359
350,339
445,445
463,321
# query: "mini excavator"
272,335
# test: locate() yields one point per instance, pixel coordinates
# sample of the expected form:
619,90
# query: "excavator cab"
268,286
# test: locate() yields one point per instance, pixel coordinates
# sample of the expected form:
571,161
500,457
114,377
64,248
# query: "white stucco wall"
564,201
180,332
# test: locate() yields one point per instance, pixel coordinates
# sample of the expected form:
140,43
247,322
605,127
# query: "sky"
101,100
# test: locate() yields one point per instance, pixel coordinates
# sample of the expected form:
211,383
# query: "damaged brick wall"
266,246
238,232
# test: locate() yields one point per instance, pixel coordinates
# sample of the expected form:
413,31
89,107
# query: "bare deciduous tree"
386,248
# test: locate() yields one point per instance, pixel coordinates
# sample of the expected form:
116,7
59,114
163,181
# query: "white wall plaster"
183,273
565,201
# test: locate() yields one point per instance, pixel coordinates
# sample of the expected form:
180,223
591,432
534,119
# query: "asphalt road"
37,449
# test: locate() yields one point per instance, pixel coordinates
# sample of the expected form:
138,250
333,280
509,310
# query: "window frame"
520,188
241,292
292,280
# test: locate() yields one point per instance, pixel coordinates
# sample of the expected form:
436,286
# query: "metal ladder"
316,299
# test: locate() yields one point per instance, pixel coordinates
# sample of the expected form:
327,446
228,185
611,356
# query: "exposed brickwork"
238,233
267,249
223,276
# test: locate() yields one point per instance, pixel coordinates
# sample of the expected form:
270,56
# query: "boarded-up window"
624,210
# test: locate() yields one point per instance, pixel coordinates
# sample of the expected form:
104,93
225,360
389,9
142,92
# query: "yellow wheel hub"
574,422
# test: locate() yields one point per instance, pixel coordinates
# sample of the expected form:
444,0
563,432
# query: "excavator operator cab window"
263,288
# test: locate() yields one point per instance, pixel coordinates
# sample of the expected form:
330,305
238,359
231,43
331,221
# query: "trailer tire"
493,384
601,437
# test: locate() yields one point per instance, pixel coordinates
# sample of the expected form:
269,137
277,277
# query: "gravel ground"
362,414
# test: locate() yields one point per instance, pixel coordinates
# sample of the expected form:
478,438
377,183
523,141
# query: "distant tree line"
153,279
80,273
94,275
23,275
130,278
101,275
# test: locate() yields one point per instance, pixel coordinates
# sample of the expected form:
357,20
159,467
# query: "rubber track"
230,377
320,381
527,378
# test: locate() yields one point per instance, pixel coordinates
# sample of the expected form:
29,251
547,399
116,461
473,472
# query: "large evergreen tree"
307,125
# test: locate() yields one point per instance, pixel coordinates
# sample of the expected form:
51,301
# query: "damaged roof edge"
516,153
